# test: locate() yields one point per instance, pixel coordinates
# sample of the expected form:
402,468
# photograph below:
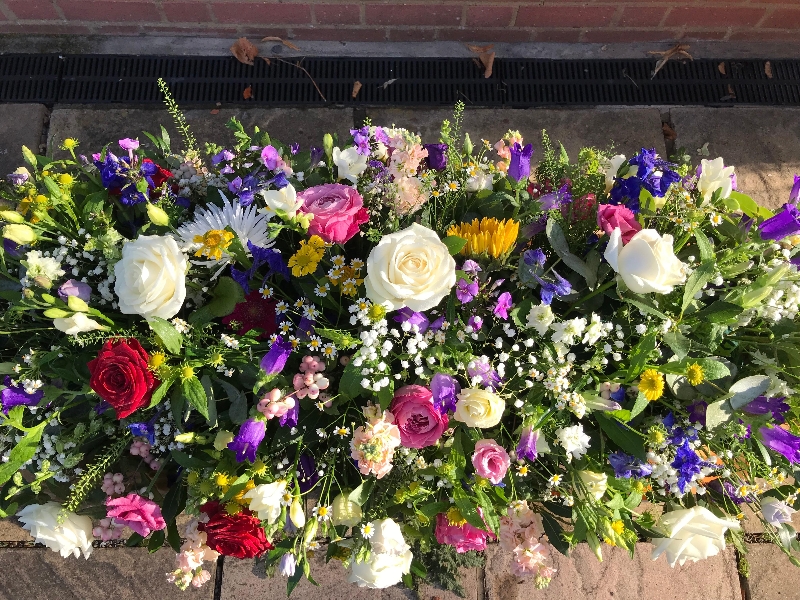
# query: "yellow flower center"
455,518
221,480
618,527
694,374
216,359
213,241
487,236
187,372
157,360
70,144
651,384
65,179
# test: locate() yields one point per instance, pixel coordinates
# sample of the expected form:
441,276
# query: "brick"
187,12
193,30
769,568
705,34
555,16
763,35
408,34
413,14
613,36
337,14
561,36
714,17
259,12
339,34
484,35
98,10
783,19
39,10
489,16
642,16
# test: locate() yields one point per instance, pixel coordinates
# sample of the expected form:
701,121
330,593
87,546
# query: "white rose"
349,163
611,167
596,483
410,268
715,176
77,323
479,408
390,559
265,500
284,199
72,536
480,181
151,277
647,263
776,511
694,534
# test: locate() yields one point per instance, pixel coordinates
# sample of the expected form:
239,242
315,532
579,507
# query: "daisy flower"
367,530
323,513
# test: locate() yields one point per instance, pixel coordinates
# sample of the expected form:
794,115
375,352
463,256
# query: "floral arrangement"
394,352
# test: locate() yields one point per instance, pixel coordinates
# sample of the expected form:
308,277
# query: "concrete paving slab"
762,143
121,573
772,575
95,126
630,129
10,531
582,576
20,124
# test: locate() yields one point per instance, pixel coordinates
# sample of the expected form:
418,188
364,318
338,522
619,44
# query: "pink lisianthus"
491,460
420,422
373,444
140,514
530,559
611,216
463,538
338,211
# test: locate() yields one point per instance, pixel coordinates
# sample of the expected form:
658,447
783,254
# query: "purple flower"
781,441
244,188
466,291
503,305
294,148
445,390
520,167
561,287
728,490
274,360
528,446
470,267
12,248
15,395
381,136
794,195
476,322
246,442
687,463
783,224
361,140
626,466
697,412
223,156
112,171
556,199
534,257
270,157
287,565
17,178
406,315
73,287
316,155
291,416
763,405
482,368
437,156
307,474
129,144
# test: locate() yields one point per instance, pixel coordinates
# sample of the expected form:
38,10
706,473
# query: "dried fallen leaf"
248,92
273,38
669,132
266,60
386,84
244,51
768,69
721,68
677,51
356,89
487,60
215,111
479,49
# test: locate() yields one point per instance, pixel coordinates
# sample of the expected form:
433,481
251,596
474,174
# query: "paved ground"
764,144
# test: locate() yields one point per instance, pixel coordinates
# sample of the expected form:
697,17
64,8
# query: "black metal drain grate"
515,83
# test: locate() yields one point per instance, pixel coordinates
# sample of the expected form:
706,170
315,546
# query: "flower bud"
11,216
311,531
467,144
296,513
157,215
345,511
77,304
19,233
327,146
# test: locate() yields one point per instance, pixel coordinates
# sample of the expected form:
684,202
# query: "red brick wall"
417,20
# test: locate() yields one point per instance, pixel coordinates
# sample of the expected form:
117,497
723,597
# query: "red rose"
120,376
239,535
160,176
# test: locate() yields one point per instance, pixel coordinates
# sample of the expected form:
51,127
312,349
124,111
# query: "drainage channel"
514,83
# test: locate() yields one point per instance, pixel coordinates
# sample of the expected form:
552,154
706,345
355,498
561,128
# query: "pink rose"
140,514
420,422
338,211
491,460
610,216
464,537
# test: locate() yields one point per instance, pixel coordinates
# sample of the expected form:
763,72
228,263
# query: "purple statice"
73,287
470,267
626,466
688,465
502,306
476,322
222,156
466,290
551,289
794,195
445,391
15,395
270,157
783,224
528,446
245,188
762,405
406,315
251,433
307,474
275,360
294,148
519,169
481,370
781,441
361,140
437,156
697,412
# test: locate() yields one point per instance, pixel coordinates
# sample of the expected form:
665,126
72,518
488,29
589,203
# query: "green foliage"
443,565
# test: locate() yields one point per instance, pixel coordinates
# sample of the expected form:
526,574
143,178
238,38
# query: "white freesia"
284,200
596,483
349,163
151,277
540,318
265,500
72,536
77,323
776,511
715,176
574,441
412,268
647,263
611,168
479,408
389,561
694,534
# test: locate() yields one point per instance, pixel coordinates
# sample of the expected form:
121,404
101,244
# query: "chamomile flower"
281,308
329,350
322,513
285,327
554,481
367,530
716,219
523,470
453,186
342,431
322,290
266,291
311,312
314,342
229,341
180,325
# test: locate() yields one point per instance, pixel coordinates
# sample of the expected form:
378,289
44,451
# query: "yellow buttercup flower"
651,384
306,259
694,374
487,236
213,241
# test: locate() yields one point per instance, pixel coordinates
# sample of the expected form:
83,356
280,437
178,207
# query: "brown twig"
321,95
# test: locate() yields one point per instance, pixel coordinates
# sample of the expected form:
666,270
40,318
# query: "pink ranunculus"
140,514
464,537
611,216
491,460
338,211
420,422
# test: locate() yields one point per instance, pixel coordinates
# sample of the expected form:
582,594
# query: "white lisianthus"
151,277
345,511
776,511
611,168
479,408
694,534
349,163
715,176
72,536
480,181
42,266
596,483
647,263
265,500
412,268
574,441
77,323
540,318
389,561
284,200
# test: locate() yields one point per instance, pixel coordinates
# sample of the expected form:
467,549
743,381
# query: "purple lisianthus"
781,441
251,433
470,267
762,405
444,389
481,368
783,224
270,157
406,315
528,446
274,360
223,156
466,290
437,156
503,305
73,287
626,466
15,395
129,144
520,167
794,195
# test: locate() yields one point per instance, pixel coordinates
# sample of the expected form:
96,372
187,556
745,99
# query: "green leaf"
236,487
167,333
385,395
703,245
640,404
454,244
195,394
189,462
22,452
342,339
134,541
678,343
174,501
467,507
432,509
623,437
350,383
719,312
161,391
646,306
174,537
745,202
205,381
554,533
225,296
748,389
52,187
165,137
559,243
718,413
697,280
56,313
237,413
360,495
29,156
489,514
156,541
641,353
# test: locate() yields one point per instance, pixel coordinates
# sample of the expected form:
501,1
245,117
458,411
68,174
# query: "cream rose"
479,408
77,323
647,263
714,175
596,483
151,277
284,200
72,536
410,268
694,534
390,559
349,163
